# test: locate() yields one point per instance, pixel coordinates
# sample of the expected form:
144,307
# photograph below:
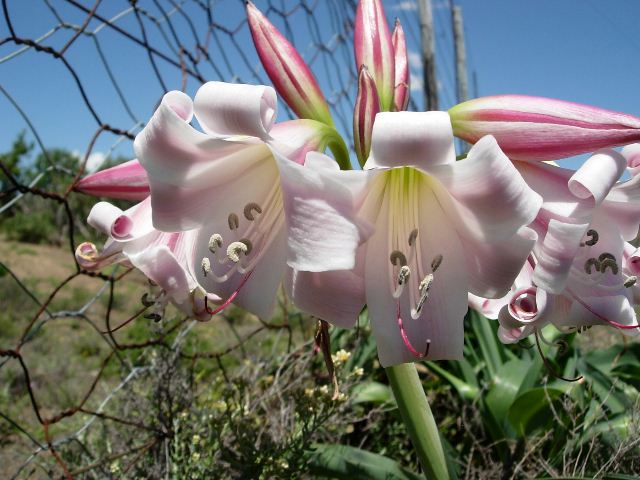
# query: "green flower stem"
340,151
417,417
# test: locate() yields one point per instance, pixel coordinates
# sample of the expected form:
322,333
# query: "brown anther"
593,238
412,236
398,258
608,262
249,245
153,316
249,210
435,263
631,281
592,262
234,221
146,301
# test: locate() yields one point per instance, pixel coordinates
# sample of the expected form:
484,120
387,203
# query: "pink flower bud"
127,181
402,75
536,128
288,72
364,114
373,48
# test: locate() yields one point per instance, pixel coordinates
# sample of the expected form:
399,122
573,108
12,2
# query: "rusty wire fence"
81,362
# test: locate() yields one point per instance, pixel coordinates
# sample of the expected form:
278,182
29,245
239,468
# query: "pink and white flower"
442,228
224,185
161,256
582,261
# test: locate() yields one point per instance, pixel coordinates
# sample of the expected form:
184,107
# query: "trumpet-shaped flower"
161,256
536,128
442,228
287,70
225,184
582,270
374,49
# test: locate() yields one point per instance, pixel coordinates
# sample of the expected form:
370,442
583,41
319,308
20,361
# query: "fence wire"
106,64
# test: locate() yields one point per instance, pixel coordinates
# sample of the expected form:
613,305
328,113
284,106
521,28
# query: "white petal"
190,172
161,266
335,296
122,226
485,194
259,293
551,182
595,311
492,267
236,109
323,233
632,155
419,139
556,253
595,178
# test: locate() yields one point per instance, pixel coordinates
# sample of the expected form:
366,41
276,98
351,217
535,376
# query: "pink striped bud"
537,128
288,72
373,48
127,181
402,75
364,114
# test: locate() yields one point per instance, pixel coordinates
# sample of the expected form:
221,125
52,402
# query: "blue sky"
578,50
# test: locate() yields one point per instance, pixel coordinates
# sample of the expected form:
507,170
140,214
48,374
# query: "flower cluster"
246,204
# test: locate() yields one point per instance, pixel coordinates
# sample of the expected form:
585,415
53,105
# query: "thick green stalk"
417,417
340,151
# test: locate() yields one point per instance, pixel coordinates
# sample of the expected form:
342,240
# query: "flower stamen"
412,236
593,238
249,210
234,221
206,266
234,250
215,242
423,289
435,263
592,262
403,278
608,260
405,338
398,258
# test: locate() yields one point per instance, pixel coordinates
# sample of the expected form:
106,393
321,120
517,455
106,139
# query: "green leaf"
531,410
346,462
504,390
489,346
612,431
465,390
372,392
